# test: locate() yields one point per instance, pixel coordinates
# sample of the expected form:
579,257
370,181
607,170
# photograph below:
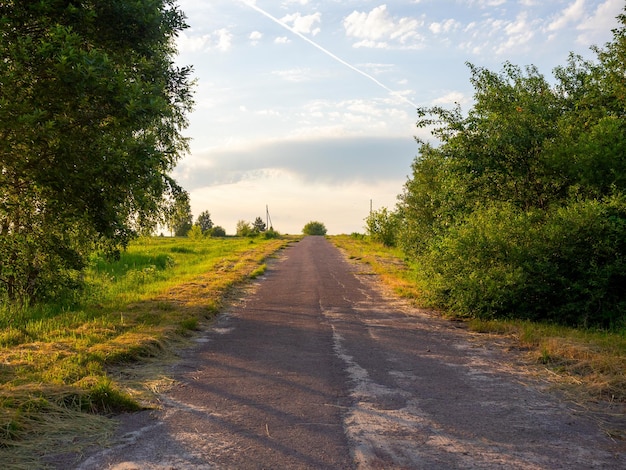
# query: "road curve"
318,369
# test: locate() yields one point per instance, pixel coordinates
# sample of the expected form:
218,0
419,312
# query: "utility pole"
268,220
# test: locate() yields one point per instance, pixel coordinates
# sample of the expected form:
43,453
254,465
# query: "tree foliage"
243,228
91,113
204,222
218,231
178,214
382,225
195,233
258,225
314,228
520,209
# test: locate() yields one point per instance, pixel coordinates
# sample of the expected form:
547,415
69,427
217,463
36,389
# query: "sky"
308,107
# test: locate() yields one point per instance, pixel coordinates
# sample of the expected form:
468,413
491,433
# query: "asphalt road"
317,368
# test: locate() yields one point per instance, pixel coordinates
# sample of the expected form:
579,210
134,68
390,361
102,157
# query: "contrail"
328,53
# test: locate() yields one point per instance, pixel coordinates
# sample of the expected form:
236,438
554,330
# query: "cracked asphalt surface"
318,368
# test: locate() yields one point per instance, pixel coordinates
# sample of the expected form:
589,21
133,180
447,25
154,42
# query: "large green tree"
519,209
91,113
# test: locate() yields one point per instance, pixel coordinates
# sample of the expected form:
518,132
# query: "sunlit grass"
386,262
69,357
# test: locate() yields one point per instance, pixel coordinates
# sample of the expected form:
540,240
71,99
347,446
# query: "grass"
62,367
589,366
386,262
592,358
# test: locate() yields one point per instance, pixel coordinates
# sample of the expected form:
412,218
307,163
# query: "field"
64,367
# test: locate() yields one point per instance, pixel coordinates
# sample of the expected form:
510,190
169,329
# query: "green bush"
195,233
243,229
218,231
271,233
383,226
314,228
564,266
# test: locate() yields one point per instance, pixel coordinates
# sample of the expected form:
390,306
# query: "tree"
195,233
243,228
521,209
91,114
218,231
314,228
383,226
204,222
179,217
258,225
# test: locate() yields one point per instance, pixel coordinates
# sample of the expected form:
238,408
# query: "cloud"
518,34
303,24
500,36
444,26
255,37
451,98
378,29
336,161
224,39
602,20
190,42
377,68
571,14
295,75
487,3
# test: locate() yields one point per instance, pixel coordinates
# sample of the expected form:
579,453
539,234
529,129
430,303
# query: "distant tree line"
519,210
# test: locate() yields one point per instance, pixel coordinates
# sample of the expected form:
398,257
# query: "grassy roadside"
589,366
63,368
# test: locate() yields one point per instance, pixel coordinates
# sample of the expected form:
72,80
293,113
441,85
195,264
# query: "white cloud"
282,40
571,14
377,68
303,24
377,29
190,43
500,36
255,37
224,39
187,41
444,27
296,75
451,98
518,32
298,2
602,20
487,3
